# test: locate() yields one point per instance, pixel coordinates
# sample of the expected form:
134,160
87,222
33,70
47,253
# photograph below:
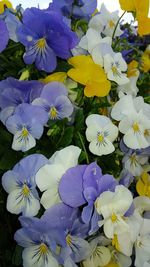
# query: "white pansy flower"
48,177
114,66
134,163
133,115
105,22
112,206
100,132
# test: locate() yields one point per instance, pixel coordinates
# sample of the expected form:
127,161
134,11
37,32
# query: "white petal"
48,176
67,157
91,132
100,149
50,197
108,60
23,144
84,42
9,181
103,256
135,140
31,259
17,203
124,107
109,228
99,120
31,207
125,125
112,131
122,64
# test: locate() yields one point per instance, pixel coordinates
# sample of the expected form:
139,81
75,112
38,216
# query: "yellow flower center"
24,133
53,113
25,191
136,127
114,218
111,24
68,240
114,70
41,43
115,242
43,249
133,159
100,138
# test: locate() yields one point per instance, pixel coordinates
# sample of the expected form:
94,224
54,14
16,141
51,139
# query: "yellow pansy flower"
146,60
55,77
91,75
141,8
5,4
143,185
132,69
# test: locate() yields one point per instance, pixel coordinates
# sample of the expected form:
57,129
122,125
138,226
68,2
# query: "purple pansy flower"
27,125
4,35
82,185
54,100
134,159
36,237
81,9
45,36
68,220
20,184
15,92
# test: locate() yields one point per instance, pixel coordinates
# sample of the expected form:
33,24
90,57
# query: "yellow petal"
4,4
142,7
79,61
55,77
143,185
79,76
143,25
100,89
127,5
132,69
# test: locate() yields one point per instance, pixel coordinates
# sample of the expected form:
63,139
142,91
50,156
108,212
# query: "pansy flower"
4,35
46,36
105,22
36,238
115,66
20,184
26,124
133,114
113,206
54,100
49,176
100,132
93,77
68,222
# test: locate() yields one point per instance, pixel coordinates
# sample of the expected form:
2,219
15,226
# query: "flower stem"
83,146
117,24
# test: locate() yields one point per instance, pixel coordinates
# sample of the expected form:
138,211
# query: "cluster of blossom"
90,218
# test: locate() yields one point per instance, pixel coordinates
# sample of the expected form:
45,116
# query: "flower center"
133,159
136,127
147,132
24,132
114,218
43,249
112,264
114,70
100,138
111,23
25,191
41,43
68,240
53,113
